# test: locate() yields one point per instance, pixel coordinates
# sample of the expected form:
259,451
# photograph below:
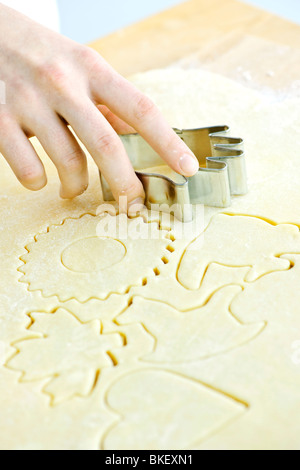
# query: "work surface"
174,340
214,30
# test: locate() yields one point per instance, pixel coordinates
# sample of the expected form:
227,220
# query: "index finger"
135,108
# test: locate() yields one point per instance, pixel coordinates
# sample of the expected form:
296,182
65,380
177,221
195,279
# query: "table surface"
221,33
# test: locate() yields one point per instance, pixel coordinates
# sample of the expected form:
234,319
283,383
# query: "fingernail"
71,195
135,206
189,165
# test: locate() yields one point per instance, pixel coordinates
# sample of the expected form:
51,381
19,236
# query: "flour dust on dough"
111,343
83,265
204,332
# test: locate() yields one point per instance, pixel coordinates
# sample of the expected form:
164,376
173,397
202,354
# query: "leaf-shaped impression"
70,353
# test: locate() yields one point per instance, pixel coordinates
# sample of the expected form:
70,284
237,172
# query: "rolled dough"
166,343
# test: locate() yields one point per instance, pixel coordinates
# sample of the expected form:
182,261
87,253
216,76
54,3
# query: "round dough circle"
93,254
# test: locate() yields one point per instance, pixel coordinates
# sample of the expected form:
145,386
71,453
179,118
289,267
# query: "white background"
86,20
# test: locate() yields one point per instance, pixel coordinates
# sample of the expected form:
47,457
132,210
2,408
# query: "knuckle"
94,63
130,187
171,140
53,73
72,162
87,55
107,144
144,108
30,175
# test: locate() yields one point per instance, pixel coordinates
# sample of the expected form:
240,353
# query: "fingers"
132,106
116,123
20,155
66,154
107,150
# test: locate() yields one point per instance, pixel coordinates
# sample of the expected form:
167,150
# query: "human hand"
51,82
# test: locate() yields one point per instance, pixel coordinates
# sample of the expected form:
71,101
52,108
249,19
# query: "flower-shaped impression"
77,260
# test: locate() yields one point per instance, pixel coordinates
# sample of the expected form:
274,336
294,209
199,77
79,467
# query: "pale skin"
52,82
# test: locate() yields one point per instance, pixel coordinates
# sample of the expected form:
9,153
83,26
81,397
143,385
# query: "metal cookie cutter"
222,171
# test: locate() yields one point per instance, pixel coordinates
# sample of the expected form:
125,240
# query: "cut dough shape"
201,333
138,343
239,241
10,330
93,254
162,288
71,353
95,309
284,308
273,359
28,423
131,264
161,410
263,373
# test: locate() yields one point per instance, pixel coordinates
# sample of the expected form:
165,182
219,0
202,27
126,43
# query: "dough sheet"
193,342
